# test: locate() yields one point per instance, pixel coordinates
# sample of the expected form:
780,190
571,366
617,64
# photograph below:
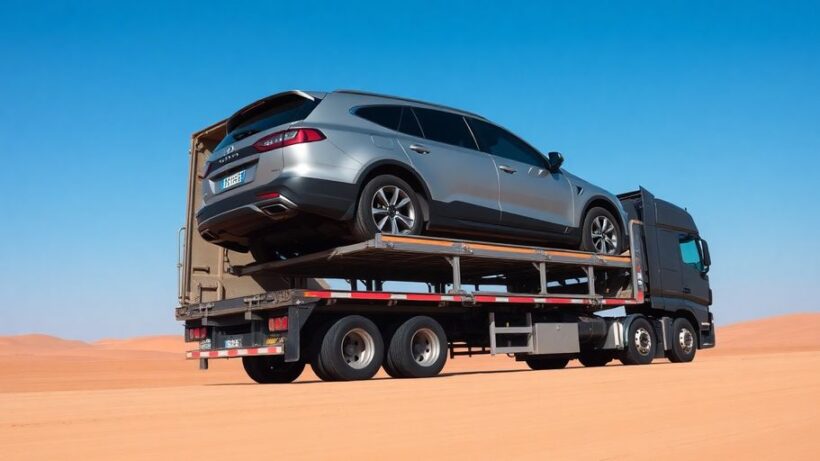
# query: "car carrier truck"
407,303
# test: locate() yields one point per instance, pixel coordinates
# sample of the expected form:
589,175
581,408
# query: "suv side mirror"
554,161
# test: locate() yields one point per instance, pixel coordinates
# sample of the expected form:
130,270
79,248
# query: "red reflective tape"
424,297
317,294
369,295
485,299
565,301
520,299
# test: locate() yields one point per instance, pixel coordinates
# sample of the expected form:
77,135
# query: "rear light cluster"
197,333
267,195
288,138
278,323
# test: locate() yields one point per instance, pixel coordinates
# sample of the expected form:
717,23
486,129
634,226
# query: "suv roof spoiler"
309,95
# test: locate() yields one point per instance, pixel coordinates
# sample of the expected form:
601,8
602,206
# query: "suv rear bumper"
232,220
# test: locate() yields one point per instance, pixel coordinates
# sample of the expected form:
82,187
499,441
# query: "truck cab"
678,261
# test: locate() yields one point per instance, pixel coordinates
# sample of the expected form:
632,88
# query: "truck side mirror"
554,161
707,259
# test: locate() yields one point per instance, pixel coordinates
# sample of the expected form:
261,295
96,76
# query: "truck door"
694,268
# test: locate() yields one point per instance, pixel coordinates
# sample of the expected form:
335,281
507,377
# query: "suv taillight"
288,138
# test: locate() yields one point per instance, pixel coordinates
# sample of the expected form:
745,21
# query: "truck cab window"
690,252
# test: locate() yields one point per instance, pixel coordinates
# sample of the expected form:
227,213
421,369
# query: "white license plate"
232,180
233,342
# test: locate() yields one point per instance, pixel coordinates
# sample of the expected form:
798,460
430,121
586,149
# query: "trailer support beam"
542,276
455,262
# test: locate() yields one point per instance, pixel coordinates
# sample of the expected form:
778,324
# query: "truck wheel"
387,205
271,369
640,347
595,358
352,349
546,363
684,341
388,331
602,233
418,349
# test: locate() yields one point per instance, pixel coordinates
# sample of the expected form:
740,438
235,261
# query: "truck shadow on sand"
452,374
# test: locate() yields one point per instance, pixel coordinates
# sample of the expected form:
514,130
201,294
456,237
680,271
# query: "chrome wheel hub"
358,348
686,340
425,347
393,211
643,341
604,235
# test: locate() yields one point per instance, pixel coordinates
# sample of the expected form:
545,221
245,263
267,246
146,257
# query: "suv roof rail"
417,101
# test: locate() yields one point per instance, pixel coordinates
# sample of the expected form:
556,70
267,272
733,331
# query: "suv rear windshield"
287,109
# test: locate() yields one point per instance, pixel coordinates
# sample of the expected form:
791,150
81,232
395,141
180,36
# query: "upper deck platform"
430,260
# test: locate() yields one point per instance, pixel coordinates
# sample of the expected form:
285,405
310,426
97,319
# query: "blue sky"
712,105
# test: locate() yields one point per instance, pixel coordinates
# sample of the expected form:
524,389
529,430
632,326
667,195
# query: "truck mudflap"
239,352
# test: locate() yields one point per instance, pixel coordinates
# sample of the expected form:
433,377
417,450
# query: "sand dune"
754,397
161,343
38,344
795,332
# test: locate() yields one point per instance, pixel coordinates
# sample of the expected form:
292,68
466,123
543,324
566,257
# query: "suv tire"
602,233
388,205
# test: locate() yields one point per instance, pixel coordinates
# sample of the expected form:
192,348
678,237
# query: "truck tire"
387,205
351,349
684,341
546,363
317,334
640,344
387,334
595,358
418,349
272,369
601,233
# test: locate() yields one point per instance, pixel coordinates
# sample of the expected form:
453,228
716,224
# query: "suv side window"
690,252
445,127
409,124
500,142
386,116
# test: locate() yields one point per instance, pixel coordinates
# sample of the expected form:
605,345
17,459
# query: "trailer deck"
441,263
429,260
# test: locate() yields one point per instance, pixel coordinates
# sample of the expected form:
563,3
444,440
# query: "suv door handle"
687,290
507,169
419,148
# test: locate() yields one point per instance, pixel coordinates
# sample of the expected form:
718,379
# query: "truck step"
511,333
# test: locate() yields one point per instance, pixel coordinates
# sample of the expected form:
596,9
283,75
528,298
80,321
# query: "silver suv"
303,171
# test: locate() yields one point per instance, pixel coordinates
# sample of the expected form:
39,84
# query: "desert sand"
756,396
